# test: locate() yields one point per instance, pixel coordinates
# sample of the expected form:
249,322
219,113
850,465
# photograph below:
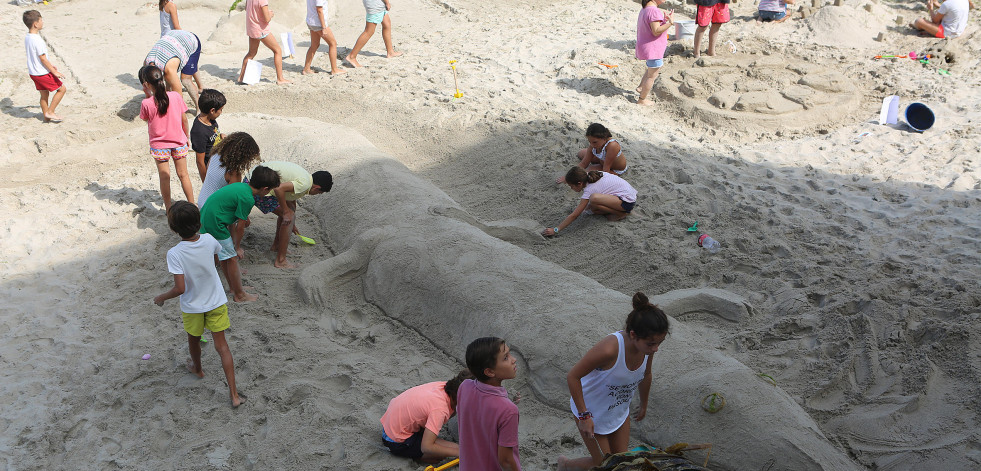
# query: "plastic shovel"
306,239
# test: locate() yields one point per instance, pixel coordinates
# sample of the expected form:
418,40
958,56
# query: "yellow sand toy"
456,84
451,463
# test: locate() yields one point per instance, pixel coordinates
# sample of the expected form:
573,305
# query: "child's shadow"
129,79
617,45
131,109
7,105
592,86
146,213
218,72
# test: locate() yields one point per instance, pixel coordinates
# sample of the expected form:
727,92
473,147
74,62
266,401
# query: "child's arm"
280,192
568,219
323,22
388,6
612,148
174,292
202,168
187,131
172,9
505,456
430,447
51,68
267,13
645,390
659,28
600,355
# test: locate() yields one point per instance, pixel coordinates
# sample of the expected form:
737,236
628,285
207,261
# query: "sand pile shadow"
426,263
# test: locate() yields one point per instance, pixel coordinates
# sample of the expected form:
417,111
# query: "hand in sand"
548,232
586,427
158,301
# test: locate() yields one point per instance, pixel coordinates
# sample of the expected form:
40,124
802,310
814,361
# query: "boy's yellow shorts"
215,320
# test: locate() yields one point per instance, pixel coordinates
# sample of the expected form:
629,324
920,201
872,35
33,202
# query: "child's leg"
646,83
237,231
282,241
192,89
699,31
194,348
332,48
598,447
253,50
277,51
234,277
387,36
163,171
180,163
608,205
44,103
55,100
314,44
924,24
712,34
352,57
227,364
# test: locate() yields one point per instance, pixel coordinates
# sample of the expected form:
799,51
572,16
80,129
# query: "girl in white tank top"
603,382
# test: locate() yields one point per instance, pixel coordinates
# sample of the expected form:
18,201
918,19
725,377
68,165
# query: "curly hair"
237,151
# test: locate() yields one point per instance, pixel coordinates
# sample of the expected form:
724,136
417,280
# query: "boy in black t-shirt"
204,132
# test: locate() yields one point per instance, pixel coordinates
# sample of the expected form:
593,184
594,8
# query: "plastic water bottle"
709,243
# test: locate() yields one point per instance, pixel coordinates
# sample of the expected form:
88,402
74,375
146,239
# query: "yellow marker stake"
451,463
457,85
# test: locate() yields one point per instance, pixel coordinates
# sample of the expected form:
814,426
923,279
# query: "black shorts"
410,448
627,207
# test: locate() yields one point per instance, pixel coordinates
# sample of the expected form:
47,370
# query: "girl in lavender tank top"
602,193
603,382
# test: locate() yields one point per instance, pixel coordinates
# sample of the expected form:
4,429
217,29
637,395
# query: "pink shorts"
164,155
716,14
50,83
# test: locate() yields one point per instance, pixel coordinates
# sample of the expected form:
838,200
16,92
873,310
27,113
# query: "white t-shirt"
196,261
35,49
955,17
611,184
373,6
313,19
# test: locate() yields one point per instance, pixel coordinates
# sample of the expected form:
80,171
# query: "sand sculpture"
428,264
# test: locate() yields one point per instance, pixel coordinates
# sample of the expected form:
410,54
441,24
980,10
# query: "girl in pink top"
167,124
603,193
652,40
257,18
414,418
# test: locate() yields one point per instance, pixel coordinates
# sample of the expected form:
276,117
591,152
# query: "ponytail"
163,3
646,319
593,176
154,77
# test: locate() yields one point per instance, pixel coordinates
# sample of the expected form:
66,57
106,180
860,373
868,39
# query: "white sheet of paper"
289,49
889,114
253,72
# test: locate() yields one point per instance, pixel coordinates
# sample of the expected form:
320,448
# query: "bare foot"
638,89
245,297
645,102
285,264
395,54
238,399
52,118
308,71
337,71
283,82
190,367
354,62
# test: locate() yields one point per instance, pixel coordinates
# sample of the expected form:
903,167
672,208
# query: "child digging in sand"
163,112
603,153
603,193
227,206
411,424
377,12
202,298
602,383
487,419
43,73
317,23
652,40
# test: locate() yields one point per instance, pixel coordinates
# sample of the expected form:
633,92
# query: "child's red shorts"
940,31
717,14
48,82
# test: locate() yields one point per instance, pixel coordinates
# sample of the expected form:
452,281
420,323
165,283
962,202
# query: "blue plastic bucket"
919,117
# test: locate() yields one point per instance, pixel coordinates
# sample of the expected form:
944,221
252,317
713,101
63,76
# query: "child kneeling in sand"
604,152
603,382
414,418
603,193
487,419
202,298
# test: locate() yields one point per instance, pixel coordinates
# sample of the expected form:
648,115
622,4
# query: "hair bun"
640,300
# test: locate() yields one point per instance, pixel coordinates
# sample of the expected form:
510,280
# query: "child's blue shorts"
375,18
654,63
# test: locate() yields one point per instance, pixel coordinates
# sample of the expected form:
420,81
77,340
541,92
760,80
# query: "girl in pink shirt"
257,18
652,40
167,125
414,418
603,193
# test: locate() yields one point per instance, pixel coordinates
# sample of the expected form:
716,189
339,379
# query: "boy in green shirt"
226,206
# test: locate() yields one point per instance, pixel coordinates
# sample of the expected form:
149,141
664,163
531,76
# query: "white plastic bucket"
684,29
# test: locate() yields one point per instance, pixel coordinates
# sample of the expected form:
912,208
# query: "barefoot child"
652,40
169,22
377,12
414,418
603,193
204,131
202,298
488,420
176,54
603,382
317,23
603,153
230,159
295,183
715,12
229,205
43,73
257,18
167,125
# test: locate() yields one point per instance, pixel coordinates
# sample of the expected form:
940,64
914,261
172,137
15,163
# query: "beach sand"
857,253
